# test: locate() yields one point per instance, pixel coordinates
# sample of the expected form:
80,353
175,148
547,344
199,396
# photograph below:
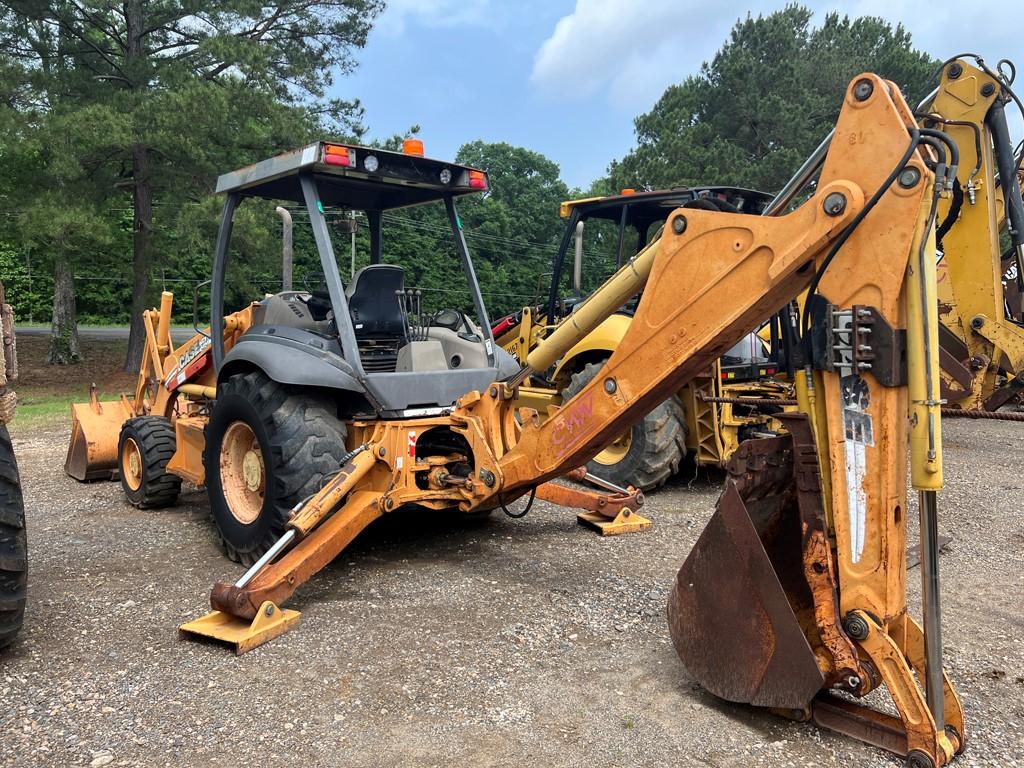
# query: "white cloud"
632,51
946,28
431,13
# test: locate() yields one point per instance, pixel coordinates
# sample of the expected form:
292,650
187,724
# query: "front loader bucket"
733,608
95,429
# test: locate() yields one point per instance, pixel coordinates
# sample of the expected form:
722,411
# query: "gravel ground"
446,642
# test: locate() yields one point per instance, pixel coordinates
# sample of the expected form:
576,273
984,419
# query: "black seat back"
374,303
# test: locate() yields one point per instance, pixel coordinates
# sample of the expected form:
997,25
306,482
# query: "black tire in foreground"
13,544
145,446
650,453
268,447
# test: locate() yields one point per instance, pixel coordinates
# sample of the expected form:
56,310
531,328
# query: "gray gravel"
445,642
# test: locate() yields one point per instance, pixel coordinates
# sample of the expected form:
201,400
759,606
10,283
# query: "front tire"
268,447
13,544
646,456
144,447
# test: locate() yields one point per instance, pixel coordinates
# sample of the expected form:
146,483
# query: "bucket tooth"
242,635
729,615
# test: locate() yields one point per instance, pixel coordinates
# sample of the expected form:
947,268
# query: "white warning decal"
859,434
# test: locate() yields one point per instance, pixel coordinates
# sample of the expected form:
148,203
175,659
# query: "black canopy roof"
372,179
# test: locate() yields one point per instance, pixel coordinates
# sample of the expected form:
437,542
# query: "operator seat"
374,304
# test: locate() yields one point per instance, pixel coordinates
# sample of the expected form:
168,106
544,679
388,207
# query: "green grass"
40,412
36,414
43,411
45,392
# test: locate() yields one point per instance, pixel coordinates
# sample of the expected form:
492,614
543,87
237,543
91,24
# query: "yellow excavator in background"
794,596
734,400
981,331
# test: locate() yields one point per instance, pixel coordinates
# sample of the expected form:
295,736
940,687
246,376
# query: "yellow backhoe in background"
735,399
982,337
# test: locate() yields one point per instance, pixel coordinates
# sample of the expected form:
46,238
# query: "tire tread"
13,544
308,441
157,442
661,451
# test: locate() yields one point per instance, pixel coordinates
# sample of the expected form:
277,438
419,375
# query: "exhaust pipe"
286,248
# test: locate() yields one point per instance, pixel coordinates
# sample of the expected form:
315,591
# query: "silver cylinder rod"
931,607
268,556
607,485
577,261
801,179
286,248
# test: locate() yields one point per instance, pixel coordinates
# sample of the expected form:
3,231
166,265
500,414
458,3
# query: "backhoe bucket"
95,429
733,608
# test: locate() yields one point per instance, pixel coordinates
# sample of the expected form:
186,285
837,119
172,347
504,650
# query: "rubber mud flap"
731,622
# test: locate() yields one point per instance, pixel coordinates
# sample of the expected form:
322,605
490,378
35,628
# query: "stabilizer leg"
270,622
247,615
609,513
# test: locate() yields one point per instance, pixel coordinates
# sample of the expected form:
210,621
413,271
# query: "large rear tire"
144,447
268,447
649,453
13,544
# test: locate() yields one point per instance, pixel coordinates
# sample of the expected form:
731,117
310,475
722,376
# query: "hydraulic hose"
805,323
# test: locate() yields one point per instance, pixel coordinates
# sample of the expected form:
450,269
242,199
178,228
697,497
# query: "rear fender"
290,356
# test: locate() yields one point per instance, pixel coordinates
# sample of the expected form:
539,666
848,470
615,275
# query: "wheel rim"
617,451
242,472
131,464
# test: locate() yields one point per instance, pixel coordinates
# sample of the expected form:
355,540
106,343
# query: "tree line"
117,119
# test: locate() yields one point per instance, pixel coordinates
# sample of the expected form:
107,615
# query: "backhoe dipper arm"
798,587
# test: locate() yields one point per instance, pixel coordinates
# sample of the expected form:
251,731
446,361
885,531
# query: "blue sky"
567,77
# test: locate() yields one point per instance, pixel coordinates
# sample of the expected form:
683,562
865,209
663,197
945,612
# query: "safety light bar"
335,154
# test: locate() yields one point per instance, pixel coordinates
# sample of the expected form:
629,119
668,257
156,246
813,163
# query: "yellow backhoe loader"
734,400
794,597
282,370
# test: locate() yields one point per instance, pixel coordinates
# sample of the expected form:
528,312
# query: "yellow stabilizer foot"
243,636
626,521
